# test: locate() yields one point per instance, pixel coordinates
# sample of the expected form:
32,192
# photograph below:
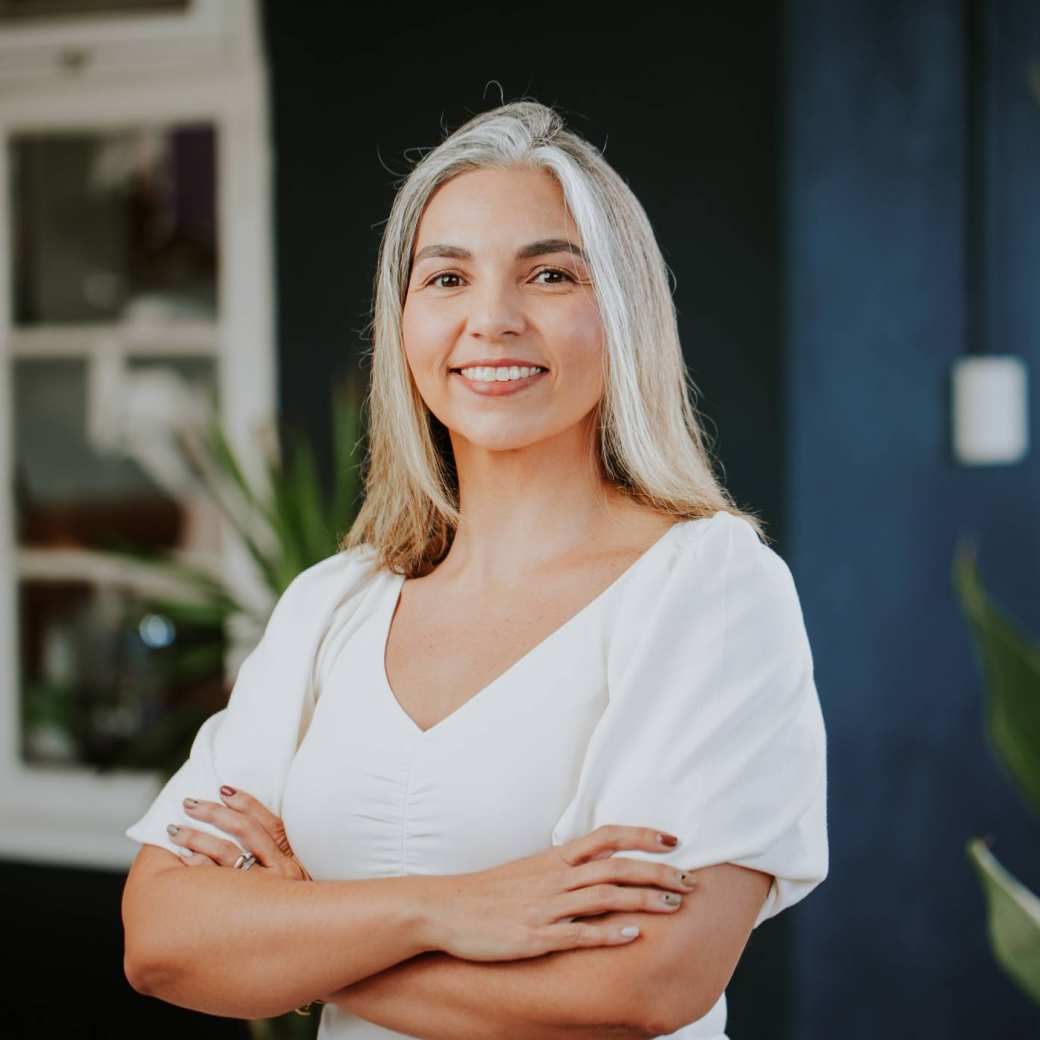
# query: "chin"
498,440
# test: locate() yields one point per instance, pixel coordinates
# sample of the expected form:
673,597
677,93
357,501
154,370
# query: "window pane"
115,225
69,491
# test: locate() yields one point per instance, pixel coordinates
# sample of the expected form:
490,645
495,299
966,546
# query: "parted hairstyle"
649,437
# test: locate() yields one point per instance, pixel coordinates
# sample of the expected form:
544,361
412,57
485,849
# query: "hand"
256,827
530,906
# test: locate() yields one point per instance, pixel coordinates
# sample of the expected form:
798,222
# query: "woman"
549,637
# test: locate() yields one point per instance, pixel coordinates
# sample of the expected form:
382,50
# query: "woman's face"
495,284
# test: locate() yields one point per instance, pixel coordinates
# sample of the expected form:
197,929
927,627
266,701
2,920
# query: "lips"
506,362
499,387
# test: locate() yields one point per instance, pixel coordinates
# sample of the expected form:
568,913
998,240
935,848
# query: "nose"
496,312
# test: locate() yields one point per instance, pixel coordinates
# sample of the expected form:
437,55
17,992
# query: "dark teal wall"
880,157
687,103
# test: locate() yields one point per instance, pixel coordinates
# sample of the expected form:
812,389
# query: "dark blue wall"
881,155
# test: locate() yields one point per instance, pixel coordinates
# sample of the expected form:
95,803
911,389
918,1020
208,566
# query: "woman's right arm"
243,944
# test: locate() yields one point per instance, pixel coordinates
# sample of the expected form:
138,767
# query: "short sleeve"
713,730
251,742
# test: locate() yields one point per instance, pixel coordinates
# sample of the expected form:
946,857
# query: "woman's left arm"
671,975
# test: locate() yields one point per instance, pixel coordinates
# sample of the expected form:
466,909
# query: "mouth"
475,379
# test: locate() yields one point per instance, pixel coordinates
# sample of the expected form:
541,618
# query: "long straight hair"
650,442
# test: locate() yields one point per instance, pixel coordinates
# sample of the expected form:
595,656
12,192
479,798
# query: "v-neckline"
397,584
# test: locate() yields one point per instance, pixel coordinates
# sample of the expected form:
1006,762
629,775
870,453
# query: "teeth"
500,375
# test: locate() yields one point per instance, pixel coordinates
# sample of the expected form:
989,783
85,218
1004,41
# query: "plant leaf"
1010,664
220,450
286,528
1013,919
315,538
346,416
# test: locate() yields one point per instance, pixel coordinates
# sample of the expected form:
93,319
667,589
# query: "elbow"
144,970
147,948
646,1027
144,964
136,977
657,1021
148,962
642,1009
677,1006
136,963
141,976
661,999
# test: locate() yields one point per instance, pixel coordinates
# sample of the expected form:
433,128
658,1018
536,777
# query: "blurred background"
191,198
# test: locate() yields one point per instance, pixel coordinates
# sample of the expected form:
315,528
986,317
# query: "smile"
487,383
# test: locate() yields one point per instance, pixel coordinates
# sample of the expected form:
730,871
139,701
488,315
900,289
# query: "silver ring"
244,861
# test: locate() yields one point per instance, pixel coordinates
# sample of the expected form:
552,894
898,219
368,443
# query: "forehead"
509,203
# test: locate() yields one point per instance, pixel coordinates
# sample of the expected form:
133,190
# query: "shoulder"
359,559
321,588
724,550
719,530
351,566
715,579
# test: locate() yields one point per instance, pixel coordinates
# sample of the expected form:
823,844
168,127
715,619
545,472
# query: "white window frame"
95,74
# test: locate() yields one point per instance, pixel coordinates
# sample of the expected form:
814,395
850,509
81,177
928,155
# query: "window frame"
213,71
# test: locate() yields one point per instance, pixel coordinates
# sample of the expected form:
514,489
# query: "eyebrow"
540,248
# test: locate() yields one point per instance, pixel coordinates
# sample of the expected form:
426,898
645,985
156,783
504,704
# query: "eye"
555,270
443,274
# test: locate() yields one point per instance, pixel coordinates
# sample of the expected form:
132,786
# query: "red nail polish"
226,791
668,839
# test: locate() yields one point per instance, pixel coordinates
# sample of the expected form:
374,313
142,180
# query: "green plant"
289,525
1010,666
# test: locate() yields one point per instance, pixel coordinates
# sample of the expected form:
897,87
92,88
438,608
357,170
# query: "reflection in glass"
69,491
118,225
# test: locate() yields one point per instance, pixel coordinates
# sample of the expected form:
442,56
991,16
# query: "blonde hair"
651,444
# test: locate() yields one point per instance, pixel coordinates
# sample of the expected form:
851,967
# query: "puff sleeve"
713,730
251,742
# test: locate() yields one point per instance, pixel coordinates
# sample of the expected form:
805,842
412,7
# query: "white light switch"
990,409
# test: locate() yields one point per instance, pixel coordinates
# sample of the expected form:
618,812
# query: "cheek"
581,342
424,337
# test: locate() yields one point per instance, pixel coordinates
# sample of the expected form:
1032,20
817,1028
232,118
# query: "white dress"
681,698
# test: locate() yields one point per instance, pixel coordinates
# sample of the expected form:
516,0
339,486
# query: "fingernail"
668,839
172,829
226,791
191,802
687,879
671,898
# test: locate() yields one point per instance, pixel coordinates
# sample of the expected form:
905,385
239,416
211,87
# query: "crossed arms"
271,948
